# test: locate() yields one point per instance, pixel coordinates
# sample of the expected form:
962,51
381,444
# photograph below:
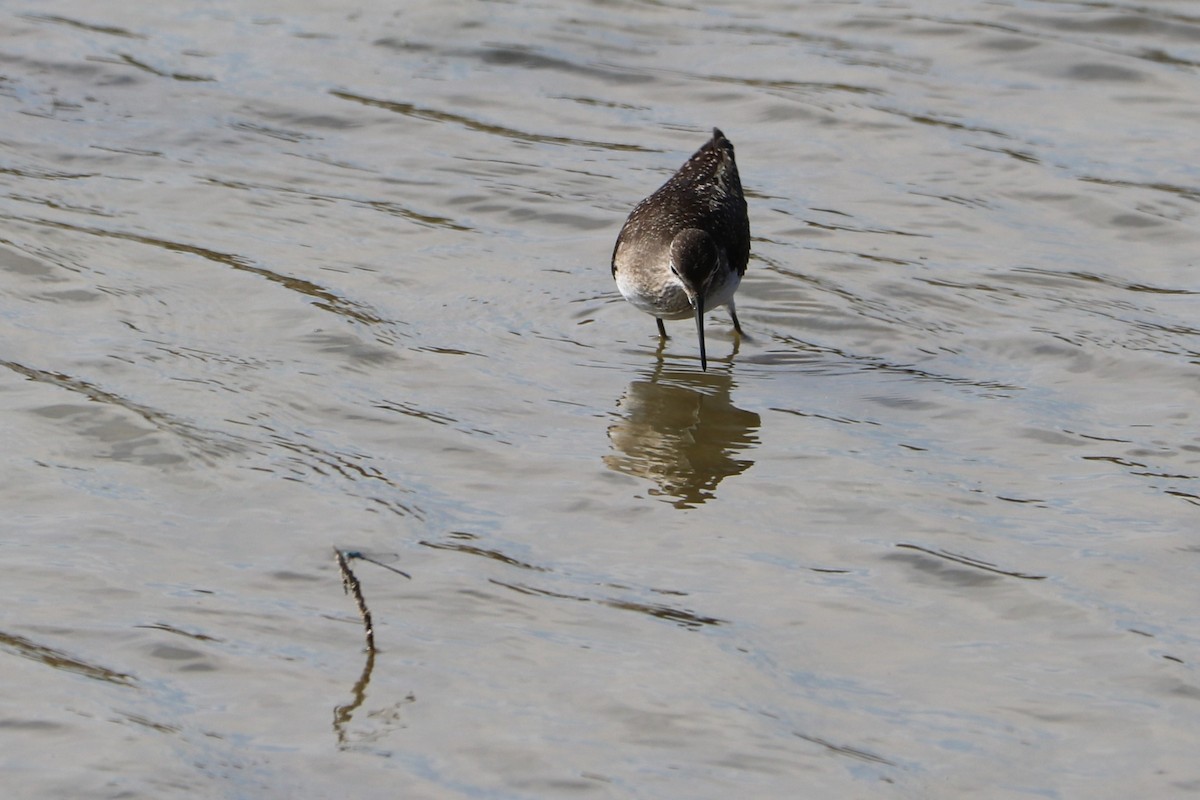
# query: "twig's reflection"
681,431
343,714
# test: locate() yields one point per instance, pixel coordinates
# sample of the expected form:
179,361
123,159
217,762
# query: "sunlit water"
281,278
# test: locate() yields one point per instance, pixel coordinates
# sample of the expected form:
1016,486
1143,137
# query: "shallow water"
280,279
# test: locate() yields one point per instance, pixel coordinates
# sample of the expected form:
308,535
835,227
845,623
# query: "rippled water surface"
283,277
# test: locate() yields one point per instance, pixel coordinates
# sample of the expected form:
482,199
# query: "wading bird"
684,249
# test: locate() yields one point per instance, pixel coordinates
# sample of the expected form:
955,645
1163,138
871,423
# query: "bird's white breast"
656,292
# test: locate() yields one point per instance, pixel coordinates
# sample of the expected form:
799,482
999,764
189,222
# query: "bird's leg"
662,330
737,326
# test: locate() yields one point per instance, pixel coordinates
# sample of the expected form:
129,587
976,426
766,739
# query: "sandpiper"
684,249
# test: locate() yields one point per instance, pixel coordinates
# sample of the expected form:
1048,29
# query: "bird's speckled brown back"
706,193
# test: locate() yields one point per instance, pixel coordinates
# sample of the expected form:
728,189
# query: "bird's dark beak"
700,330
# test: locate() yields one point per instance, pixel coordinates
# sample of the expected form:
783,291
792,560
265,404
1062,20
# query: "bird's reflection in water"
682,431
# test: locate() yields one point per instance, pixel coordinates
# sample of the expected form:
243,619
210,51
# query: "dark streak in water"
529,590
162,626
825,226
178,76
448,351
971,562
425,219
682,617
145,722
434,115
58,205
495,555
1185,496
275,133
1088,277
524,56
60,660
1098,438
1171,476
111,30
1028,158
1179,191
1160,56
327,300
379,205
845,750
45,175
1120,462
410,410
938,122
841,420
158,419
877,259
793,86
312,459
1079,24
875,363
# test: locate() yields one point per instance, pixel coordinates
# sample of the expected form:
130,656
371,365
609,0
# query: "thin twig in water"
343,714
971,562
351,585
